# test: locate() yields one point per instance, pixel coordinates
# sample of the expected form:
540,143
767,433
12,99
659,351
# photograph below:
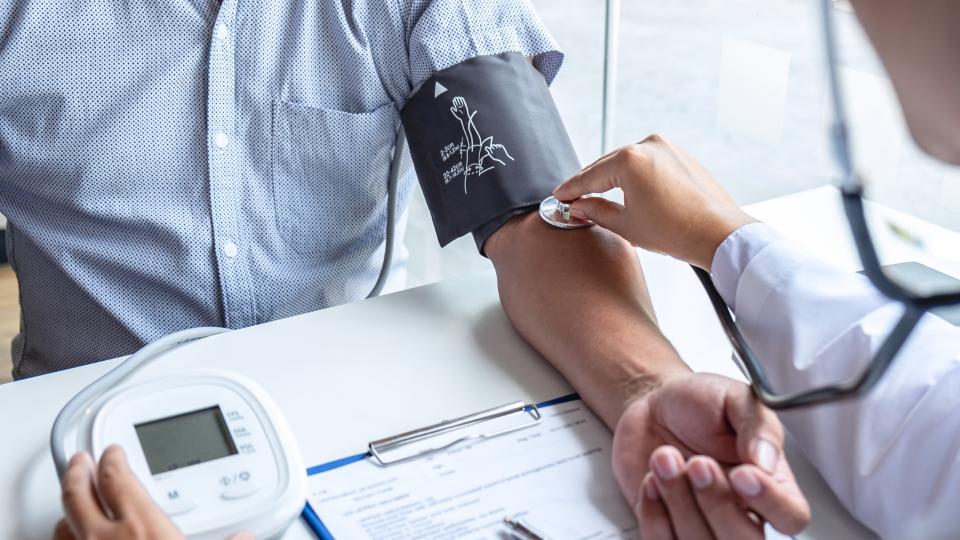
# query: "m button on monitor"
175,502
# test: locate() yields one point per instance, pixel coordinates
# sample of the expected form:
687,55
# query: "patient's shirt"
892,456
170,164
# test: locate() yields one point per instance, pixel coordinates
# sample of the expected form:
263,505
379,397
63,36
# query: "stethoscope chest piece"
557,213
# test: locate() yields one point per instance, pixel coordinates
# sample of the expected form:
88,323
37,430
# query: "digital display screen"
185,439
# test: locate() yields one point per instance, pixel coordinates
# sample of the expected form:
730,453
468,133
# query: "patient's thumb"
607,214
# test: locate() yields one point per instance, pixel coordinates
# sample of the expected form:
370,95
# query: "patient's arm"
579,297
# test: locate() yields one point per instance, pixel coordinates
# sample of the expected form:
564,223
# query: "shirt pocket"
330,172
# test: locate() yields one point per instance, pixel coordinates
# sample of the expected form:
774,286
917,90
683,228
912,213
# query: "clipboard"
434,438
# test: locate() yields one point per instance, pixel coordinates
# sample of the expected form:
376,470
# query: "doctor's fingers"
652,517
614,170
759,431
627,167
686,519
725,514
63,532
84,515
120,488
608,214
703,178
586,170
776,498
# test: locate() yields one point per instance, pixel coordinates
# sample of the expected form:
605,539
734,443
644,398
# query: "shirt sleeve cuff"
530,40
735,253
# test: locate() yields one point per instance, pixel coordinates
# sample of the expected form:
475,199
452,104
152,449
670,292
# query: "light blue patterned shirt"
174,163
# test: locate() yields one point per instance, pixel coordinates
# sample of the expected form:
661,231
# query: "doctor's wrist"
720,227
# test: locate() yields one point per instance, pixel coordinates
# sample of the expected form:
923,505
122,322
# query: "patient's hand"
699,457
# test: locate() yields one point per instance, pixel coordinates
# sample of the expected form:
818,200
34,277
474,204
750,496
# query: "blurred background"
738,83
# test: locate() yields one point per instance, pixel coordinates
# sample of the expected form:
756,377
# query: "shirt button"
221,140
222,32
230,249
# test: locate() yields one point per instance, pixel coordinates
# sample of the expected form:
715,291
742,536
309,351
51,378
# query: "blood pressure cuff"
487,143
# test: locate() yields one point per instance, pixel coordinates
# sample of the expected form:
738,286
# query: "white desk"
351,374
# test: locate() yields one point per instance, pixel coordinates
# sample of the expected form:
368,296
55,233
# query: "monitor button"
174,502
239,490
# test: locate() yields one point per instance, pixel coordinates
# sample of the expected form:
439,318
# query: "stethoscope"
851,185
557,214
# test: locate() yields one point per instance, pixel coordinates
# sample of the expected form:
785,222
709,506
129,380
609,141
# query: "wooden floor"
9,318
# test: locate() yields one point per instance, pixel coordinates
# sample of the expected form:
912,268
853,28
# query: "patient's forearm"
579,298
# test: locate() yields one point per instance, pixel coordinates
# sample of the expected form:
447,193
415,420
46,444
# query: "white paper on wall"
753,89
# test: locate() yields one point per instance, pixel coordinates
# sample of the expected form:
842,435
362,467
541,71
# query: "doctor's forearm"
580,299
889,455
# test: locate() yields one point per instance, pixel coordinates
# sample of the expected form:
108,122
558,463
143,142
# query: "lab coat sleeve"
892,457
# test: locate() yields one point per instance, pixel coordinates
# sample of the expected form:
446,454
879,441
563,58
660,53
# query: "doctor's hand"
672,204
700,457
130,513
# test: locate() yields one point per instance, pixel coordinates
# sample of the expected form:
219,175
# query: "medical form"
555,475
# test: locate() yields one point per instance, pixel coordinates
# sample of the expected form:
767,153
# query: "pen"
905,235
522,530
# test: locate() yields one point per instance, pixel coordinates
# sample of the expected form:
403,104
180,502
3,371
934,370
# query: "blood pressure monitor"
211,447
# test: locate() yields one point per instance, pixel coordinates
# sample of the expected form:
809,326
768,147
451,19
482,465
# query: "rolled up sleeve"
443,33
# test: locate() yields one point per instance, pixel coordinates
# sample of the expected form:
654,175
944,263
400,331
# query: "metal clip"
379,448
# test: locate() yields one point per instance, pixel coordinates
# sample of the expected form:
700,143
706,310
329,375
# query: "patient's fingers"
651,514
688,523
776,498
718,503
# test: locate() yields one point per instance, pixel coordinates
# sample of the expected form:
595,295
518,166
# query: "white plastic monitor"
211,447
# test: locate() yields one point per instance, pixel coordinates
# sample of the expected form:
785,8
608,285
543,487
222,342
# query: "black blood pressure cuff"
487,143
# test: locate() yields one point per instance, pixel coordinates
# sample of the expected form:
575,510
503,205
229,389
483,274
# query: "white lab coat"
893,456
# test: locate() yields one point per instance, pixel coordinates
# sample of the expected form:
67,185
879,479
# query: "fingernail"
700,474
666,465
577,213
765,454
745,482
650,490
